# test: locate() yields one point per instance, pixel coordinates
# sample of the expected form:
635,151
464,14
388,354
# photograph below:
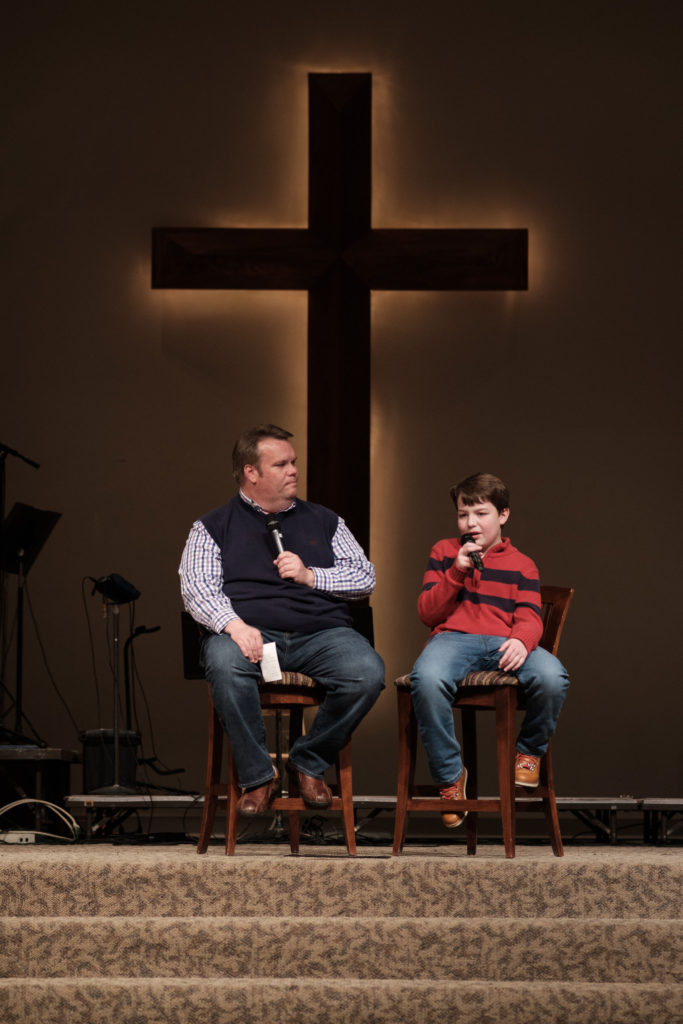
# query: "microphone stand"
17,737
116,789
127,660
18,696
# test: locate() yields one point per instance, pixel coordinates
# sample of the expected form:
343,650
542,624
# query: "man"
239,588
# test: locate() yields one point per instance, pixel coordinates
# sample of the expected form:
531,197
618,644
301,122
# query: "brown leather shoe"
314,792
257,801
456,791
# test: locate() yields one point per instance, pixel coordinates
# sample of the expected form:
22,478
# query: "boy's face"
483,521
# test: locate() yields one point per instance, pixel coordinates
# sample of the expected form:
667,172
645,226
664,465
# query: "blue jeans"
340,659
445,661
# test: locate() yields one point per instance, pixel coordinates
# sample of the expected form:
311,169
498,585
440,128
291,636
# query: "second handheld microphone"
475,557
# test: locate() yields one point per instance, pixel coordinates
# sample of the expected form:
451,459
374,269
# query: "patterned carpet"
114,934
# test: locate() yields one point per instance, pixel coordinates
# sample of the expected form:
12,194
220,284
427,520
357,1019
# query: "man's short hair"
246,453
479,488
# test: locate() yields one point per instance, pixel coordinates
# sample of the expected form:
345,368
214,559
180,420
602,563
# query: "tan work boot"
527,770
456,791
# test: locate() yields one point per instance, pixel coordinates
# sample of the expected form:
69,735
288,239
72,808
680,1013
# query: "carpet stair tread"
457,887
347,1001
484,948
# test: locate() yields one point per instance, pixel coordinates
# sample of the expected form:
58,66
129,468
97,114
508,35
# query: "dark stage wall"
559,118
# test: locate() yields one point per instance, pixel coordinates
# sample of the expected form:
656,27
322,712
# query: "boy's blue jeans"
340,659
445,661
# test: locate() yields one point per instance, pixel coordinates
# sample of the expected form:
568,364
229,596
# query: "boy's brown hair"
481,487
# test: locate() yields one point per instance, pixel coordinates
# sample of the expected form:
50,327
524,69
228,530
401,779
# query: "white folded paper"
270,666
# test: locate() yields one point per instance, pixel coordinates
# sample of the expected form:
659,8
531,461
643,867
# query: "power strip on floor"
18,838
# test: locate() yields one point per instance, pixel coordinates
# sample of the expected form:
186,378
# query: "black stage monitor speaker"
98,758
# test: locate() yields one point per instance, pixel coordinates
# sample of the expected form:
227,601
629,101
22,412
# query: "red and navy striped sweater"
504,599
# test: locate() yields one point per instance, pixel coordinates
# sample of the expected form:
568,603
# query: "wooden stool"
498,692
293,693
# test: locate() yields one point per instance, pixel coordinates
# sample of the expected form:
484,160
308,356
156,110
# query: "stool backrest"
192,634
555,605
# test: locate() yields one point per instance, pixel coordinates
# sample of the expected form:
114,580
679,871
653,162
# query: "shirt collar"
257,507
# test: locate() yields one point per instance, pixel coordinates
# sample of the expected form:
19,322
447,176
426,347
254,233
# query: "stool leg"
345,783
469,749
407,745
549,804
231,809
296,726
506,704
293,816
213,778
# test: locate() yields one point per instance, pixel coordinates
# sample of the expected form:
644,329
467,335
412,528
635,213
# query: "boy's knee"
543,677
425,686
423,675
552,680
558,683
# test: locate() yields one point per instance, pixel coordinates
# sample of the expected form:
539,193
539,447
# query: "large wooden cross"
339,259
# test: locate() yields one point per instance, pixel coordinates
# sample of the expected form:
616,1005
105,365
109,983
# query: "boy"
481,598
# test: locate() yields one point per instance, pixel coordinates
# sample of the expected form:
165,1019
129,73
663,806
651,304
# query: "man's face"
272,484
483,521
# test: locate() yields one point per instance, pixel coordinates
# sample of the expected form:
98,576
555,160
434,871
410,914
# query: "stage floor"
589,854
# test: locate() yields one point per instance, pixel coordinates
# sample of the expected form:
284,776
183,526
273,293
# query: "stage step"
113,935
175,882
302,1001
495,949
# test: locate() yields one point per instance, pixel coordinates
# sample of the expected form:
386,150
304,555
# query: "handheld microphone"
475,557
273,525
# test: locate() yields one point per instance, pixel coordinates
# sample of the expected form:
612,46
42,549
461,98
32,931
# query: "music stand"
5,450
24,533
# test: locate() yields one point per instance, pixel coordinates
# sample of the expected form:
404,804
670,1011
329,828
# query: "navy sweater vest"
250,579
